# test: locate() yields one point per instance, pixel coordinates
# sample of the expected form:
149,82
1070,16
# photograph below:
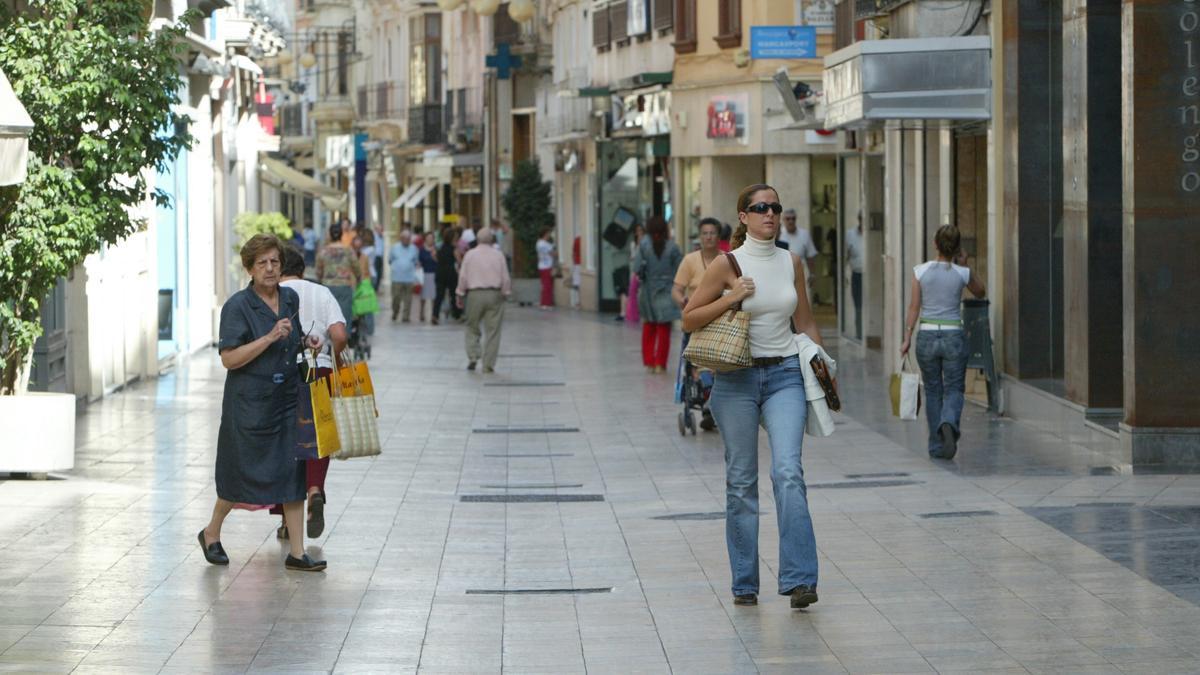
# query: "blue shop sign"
783,42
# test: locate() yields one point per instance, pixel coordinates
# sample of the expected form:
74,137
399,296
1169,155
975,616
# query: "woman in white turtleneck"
771,289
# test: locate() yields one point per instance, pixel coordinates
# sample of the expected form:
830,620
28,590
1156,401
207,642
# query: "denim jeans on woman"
774,396
942,356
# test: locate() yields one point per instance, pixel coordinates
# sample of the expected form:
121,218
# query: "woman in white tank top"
771,289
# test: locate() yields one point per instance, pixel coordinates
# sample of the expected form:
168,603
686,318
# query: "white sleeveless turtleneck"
774,300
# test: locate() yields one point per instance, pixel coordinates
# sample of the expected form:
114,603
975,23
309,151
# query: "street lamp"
521,10
485,7
308,59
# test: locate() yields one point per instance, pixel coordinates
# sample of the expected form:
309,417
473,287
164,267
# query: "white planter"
39,433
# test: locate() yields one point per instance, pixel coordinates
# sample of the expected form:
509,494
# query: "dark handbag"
826,382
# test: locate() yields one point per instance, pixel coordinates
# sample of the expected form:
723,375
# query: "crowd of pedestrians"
759,268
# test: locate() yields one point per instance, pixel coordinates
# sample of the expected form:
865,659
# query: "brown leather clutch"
826,382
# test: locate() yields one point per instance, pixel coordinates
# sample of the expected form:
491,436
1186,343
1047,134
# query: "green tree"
100,86
250,223
527,203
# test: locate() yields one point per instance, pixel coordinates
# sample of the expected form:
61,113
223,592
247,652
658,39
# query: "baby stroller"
692,389
360,341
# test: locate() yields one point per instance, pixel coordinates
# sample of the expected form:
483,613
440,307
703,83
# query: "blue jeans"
772,396
942,356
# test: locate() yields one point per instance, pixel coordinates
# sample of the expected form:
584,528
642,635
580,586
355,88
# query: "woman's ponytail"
739,236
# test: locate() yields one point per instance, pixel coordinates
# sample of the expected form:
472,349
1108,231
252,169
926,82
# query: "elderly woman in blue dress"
256,464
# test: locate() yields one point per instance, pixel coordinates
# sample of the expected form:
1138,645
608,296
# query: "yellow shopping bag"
328,442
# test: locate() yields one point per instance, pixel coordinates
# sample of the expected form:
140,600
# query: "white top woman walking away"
772,290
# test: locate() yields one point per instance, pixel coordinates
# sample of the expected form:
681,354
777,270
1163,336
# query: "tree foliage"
100,87
250,223
527,203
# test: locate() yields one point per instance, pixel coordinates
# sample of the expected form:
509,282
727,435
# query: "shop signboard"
783,42
727,117
467,180
817,13
637,20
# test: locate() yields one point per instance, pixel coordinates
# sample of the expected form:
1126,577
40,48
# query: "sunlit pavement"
592,539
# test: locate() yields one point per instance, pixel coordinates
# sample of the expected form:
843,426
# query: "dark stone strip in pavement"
527,356
524,384
530,498
850,485
894,474
710,515
549,454
537,591
527,430
958,514
531,486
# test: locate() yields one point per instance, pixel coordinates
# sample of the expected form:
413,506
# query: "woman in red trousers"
657,261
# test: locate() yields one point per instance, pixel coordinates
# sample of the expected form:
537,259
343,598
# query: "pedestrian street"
549,518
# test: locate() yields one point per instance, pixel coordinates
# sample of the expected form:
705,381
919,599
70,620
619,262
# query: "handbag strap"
737,271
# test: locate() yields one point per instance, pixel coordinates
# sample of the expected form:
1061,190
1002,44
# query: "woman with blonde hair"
768,282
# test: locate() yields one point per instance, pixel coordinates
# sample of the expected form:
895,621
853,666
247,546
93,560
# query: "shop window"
729,23
685,26
664,14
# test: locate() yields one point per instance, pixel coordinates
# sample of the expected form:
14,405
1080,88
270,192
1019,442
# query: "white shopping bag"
906,392
910,395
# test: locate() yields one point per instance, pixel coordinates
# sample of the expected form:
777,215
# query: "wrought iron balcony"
291,119
425,124
384,100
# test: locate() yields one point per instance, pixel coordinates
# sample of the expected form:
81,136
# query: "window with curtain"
425,60
729,23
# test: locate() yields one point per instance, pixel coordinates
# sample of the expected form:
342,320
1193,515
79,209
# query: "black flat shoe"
745,599
949,441
304,563
803,596
213,552
316,510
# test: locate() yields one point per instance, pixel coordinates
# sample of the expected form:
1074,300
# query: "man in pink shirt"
483,285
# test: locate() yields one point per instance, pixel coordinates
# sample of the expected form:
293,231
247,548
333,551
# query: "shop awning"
875,81
420,195
408,192
289,178
15,127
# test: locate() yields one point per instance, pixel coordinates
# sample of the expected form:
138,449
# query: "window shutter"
618,18
729,22
664,14
600,28
685,26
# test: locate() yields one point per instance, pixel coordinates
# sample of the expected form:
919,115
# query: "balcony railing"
291,119
425,124
463,118
384,100
865,9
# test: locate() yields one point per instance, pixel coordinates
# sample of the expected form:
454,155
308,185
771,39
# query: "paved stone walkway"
923,567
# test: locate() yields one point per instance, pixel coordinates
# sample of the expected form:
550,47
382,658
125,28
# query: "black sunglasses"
761,208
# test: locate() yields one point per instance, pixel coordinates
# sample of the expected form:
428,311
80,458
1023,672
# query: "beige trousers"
486,307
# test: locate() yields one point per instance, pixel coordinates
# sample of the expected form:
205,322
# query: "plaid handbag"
724,344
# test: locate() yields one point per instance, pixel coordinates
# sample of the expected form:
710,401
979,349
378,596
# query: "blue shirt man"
404,261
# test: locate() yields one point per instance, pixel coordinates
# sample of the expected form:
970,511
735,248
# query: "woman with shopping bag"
320,316
259,339
937,288
764,386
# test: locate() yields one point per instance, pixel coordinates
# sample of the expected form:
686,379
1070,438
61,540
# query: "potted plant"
100,87
527,203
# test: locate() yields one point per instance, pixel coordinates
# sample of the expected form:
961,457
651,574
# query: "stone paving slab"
924,567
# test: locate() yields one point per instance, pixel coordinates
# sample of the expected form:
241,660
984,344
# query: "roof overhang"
873,82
